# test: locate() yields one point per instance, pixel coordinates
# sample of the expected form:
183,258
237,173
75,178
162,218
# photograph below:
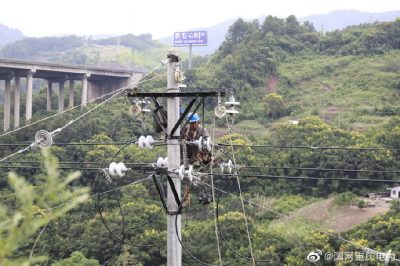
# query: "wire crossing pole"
174,249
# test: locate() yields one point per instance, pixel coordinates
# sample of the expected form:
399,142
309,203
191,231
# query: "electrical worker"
193,131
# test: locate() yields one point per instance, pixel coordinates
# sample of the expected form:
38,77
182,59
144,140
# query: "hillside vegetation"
9,35
343,87
127,50
350,78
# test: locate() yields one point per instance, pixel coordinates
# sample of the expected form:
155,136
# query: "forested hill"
128,49
276,39
340,19
351,75
141,43
9,35
299,181
335,20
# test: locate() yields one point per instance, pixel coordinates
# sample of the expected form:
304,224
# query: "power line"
322,169
57,114
68,144
215,206
91,101
117,143
240,195
240,167
296,220
222,235
309,147
57,131
68,162
39,167
219,228
36,241
122,239
91,196
144,168
80,216
315,178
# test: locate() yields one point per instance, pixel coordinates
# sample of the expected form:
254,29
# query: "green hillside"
349,92
127,50
350,78
101,55
298,180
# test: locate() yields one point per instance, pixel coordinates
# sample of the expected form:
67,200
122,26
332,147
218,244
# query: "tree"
77,259
38,204
274,105
361,204
346,198
292,26
274,25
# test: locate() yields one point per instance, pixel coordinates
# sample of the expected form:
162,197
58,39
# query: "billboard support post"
190,56
190,38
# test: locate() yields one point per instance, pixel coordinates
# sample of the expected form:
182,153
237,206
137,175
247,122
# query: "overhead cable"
309,147
75,107
45,139
316,178
215,206
299,221
240,195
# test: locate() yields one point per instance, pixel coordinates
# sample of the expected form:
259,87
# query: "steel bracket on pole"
176,196
155,95
161,192
135,93
183,115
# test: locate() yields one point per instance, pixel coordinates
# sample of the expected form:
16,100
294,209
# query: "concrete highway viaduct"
94,82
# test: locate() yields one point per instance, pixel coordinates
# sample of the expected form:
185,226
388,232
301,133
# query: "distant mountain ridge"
215,36
341,19
126,51
338,19
334,20
9,35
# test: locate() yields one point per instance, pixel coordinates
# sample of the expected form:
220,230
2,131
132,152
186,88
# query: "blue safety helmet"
194,118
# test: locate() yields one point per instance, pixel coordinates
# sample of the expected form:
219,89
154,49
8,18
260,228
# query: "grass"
351,86
346,91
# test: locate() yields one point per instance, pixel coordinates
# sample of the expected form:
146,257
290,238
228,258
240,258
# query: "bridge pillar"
7,104
95,89
84,95
17,93
49,94
61,96
71,93
29,78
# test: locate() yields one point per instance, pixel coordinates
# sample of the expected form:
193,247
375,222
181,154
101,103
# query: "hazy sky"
159,17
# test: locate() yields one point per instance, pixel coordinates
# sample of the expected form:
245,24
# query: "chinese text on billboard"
190,37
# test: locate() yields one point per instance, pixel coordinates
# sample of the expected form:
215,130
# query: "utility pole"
190,56
174,249
172,203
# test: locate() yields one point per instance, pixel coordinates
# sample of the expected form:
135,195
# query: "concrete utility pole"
174,249
190,56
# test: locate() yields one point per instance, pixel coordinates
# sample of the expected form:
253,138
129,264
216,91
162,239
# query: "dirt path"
345,218
338,218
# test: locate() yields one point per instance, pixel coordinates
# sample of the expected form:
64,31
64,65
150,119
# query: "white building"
395,192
